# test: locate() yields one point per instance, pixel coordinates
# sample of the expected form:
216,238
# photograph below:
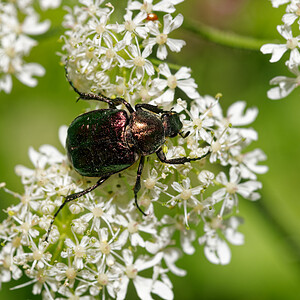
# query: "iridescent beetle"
103,142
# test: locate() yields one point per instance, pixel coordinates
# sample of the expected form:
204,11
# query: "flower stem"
224,38
172,66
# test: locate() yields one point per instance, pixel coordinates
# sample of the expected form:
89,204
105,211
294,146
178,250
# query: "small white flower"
187,195
277,51
144,286
133,25
277,3
77,250
162,38
148,6
181,79
292,13
285,85
233,187
216,250
248,163
46,4
139,63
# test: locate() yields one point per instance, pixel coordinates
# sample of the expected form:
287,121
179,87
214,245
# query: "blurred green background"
268,265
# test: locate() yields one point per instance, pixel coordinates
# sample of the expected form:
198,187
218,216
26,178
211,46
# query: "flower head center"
161,39
25,227
231,187
145,201
6,262
71,273
41,276
197,123
79,251
199,208
100,28
110,53
216,222
92,9
172,82
120,89
105,247
10,52
102,279
25,199
133,227
97,212
131,271
139,61
186,194
37,254
16,242
150,183
239,158
292,43
89,54
216,146
130,25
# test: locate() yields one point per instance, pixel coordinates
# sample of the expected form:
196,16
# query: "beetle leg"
149,107
137,185
177,161
90,96
73,197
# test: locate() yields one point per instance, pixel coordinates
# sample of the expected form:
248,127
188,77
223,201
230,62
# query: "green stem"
157,62
224,38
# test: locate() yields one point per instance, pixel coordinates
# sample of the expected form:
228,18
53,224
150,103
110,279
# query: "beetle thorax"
145,132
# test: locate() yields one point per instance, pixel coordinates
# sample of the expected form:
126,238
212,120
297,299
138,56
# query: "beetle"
104,142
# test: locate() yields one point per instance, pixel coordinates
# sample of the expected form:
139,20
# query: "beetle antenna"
138,207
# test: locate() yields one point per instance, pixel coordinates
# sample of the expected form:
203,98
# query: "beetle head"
171,123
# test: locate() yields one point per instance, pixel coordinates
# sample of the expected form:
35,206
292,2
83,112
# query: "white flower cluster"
100,242
290,31
18,22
